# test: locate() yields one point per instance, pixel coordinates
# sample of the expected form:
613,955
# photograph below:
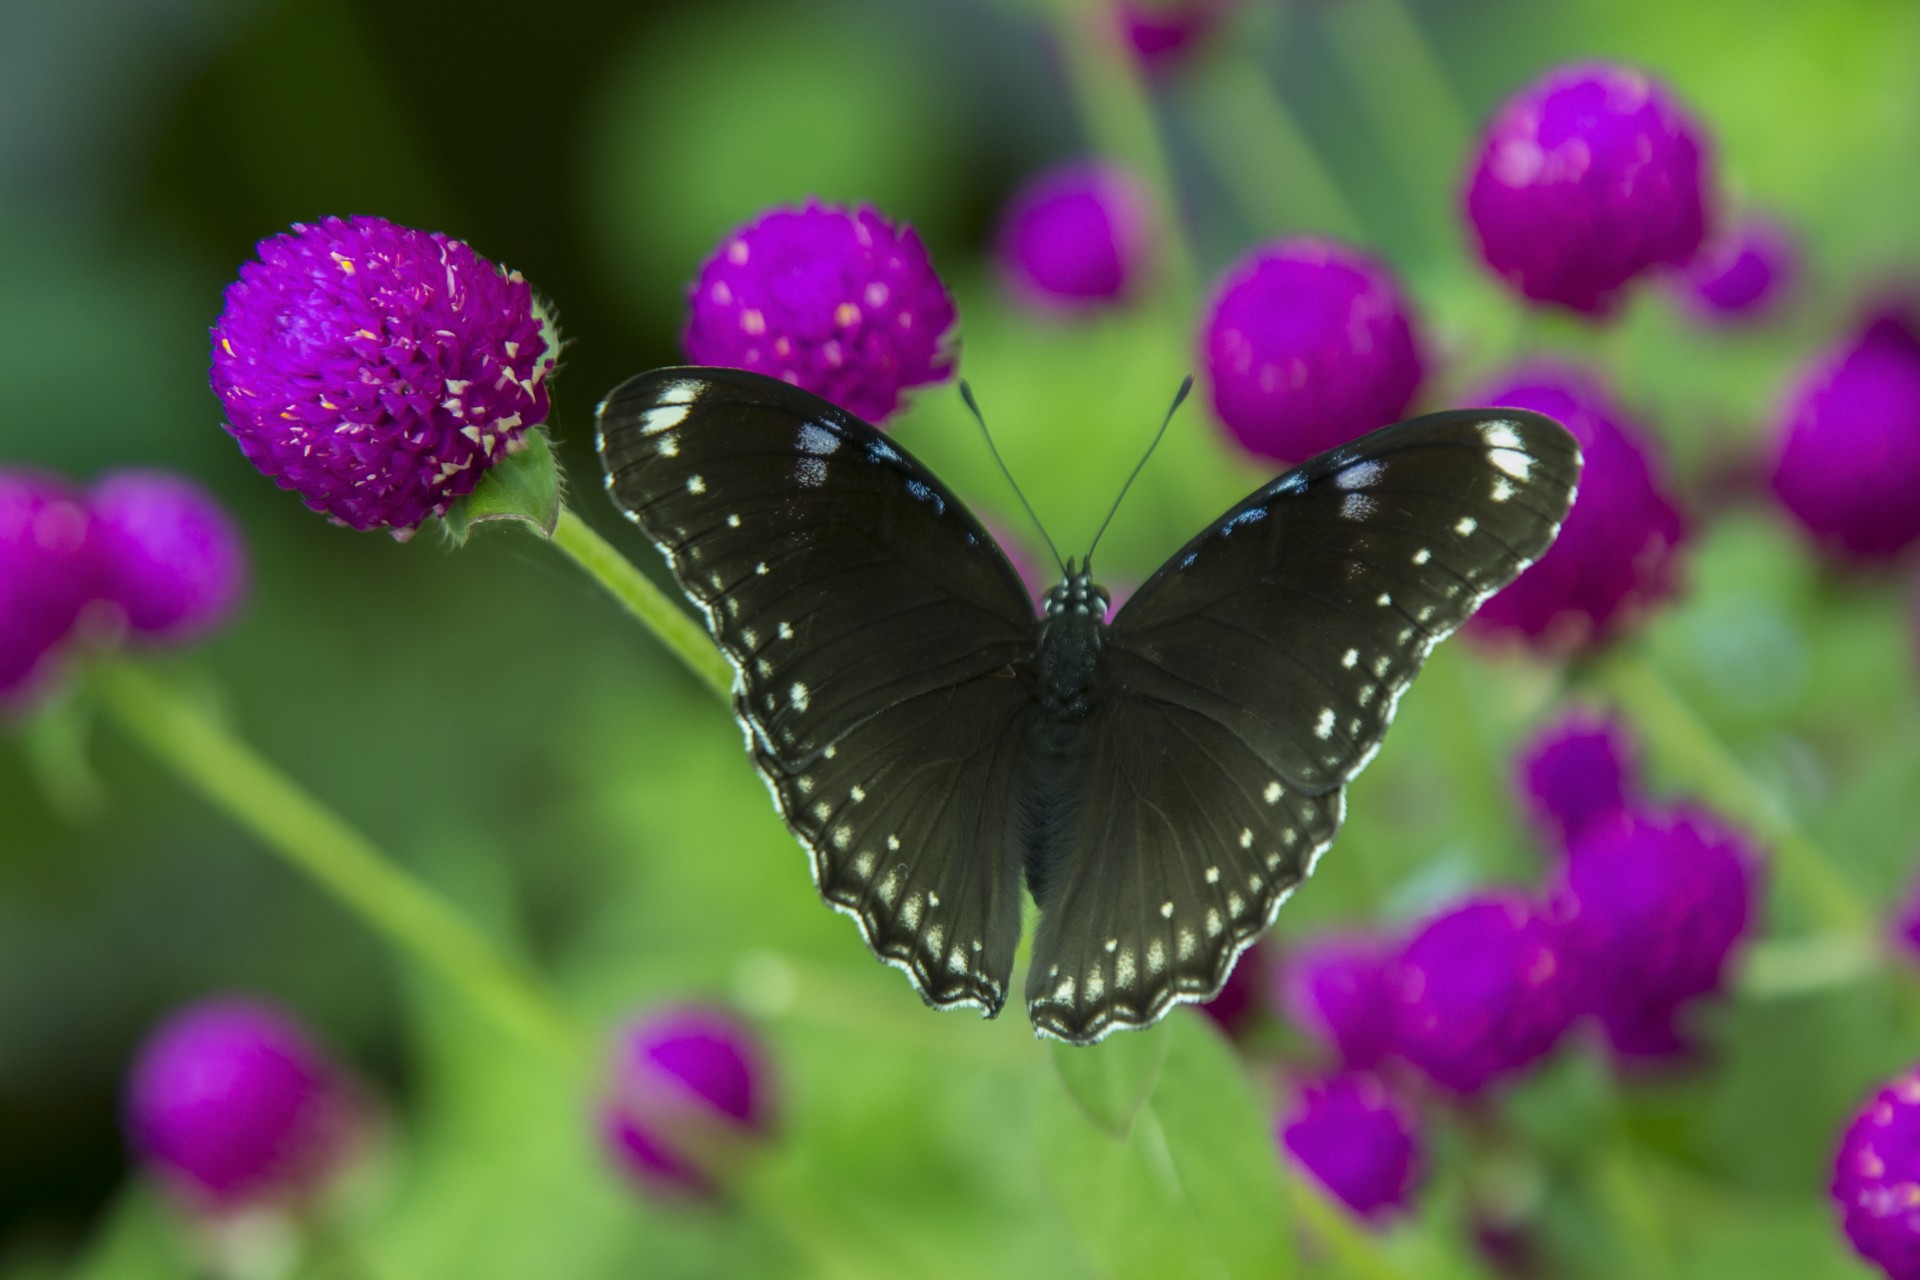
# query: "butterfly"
1159,781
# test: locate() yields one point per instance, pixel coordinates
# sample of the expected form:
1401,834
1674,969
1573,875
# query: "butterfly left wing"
1250,678
873,627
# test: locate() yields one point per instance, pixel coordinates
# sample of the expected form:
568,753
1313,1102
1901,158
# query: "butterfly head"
1077,594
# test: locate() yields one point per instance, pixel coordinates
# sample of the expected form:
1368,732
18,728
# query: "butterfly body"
1160,780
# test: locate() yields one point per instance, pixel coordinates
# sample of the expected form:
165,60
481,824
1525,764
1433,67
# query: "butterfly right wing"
873,626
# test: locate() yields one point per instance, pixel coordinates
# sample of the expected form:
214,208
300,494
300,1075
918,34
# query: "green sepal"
524,486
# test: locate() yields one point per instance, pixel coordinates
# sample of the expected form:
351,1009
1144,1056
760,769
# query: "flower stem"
1348,1243
1118,115
1260,154
294,825
1674,730
656,610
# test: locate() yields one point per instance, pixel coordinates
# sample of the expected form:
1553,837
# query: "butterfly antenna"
966,394
1179,398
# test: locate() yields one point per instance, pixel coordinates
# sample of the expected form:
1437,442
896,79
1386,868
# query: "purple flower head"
837,301
379,371
1362,1145
1334,987
1075,237
1163,33
1876,1179
1306,345
1239,998
233,1105
689,1088
1480,992
1846,459
1740,276
1577,772
1651,907
169,557
1617,552
47,576
1584,180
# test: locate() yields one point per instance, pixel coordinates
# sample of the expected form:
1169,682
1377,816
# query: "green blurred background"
492,719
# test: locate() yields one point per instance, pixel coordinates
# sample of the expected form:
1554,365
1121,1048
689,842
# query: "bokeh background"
493,719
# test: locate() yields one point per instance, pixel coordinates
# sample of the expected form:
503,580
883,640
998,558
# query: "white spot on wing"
1512,461
1357,506
1213,875
797,695
810,472
1465,526
1166,910
1360,475
1324,729
1502,489
1422,556
817,440
664,417
1246,837
1272,793
1500,435
696,485
1349,658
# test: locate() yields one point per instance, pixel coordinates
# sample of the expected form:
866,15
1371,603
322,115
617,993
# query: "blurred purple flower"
169,556
1651,907
1740,276
379,371
1481,992
1163,33
837,301
1334,988
47,575
1617,552
1361,1144
1585,179
1240,998
1576,772
1846,457
234,1106
689,1090
1075,237
1306,345
1876,1179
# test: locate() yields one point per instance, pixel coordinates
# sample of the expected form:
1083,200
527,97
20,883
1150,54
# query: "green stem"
1352,1248
294,825
1675,731
656,610
1118,115
1784,968
1260,154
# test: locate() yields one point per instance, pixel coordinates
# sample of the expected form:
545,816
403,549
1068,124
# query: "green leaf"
1220,1141
523,486
1111,1080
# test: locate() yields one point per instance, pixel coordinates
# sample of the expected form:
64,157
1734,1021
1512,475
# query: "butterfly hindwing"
1299,617
1181,856
872,625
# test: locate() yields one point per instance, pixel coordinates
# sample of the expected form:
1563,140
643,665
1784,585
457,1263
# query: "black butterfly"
1163,781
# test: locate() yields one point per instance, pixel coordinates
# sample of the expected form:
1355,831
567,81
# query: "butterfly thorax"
1072,634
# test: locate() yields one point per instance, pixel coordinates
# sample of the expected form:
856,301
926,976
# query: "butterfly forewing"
1182,854
837,574
873,626
1299,617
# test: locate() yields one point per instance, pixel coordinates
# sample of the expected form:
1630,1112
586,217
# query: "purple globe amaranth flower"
1075,237
1240,996
1740,276
1361,1144
234,1106
1617,553
1306,345
1587,178
47,575
379,371
1651,906
1334,988
1846,457
1480,992
689,1092
837,301
1576,772
169,557
1163,33
1876,1179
